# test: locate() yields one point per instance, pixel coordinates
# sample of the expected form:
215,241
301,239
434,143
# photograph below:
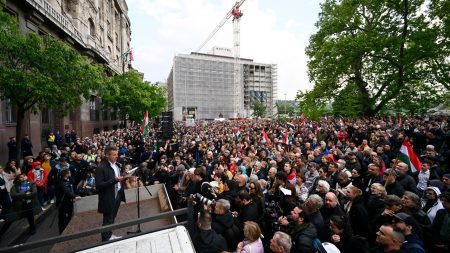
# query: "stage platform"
86,217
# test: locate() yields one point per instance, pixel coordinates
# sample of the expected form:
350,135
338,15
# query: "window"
10,112
114,115
108,29
91,27
105,114
94,113
45,115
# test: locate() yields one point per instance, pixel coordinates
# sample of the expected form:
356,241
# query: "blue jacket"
413,244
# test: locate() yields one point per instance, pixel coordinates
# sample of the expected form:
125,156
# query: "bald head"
331,200
240,180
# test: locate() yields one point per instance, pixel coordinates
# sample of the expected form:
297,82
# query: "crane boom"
221,23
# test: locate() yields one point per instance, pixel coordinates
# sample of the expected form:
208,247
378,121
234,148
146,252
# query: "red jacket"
44,176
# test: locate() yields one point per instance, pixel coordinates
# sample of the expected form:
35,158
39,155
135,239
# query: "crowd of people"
334,185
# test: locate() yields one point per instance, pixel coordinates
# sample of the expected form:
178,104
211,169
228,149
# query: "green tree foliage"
347,102
440,65
132,96
311,105
40,71
259,109
368,54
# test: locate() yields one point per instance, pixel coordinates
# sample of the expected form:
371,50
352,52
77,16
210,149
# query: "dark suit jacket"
105,181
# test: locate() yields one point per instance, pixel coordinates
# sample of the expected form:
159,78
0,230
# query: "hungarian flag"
408,156
286,139
144,129
290,125
266,138
131,55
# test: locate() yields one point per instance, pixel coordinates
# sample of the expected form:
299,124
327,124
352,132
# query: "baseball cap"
407,219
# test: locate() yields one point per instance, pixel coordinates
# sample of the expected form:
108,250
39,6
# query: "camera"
202,199
273,212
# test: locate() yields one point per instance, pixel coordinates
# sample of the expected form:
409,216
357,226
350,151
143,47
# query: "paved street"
46,229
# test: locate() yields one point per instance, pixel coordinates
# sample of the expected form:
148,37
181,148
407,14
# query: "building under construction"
201,86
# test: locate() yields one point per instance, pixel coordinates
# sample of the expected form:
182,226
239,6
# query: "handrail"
97,230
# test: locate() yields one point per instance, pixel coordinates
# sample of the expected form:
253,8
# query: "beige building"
99,29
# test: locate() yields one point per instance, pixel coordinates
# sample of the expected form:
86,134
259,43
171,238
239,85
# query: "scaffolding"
207,83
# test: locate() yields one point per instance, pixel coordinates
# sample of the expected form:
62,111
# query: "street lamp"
285,101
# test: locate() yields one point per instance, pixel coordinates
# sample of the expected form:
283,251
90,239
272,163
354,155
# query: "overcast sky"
272,31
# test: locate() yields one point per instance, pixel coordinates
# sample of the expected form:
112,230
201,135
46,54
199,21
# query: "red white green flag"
266,138
408,156
144,129
286,139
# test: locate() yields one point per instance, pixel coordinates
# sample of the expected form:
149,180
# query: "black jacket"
64,193
438,223
304,238
208,241
248,212
225,226
359,217
395,188
105,182
408,183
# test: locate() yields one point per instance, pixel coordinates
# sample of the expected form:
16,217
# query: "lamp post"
285,101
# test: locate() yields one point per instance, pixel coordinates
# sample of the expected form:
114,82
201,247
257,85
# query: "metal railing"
189,224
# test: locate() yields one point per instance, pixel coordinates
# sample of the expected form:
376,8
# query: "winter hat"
34,164
435,189
446,176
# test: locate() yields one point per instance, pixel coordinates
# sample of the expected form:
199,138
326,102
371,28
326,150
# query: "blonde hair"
251,231
380,188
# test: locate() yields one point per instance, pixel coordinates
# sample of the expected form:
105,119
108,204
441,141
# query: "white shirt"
423,179
117,173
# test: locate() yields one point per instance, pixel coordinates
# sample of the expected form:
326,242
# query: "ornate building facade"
99,29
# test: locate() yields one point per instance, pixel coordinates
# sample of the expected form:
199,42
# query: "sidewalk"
19,229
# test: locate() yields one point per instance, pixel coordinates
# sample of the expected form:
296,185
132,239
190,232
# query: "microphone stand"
138,229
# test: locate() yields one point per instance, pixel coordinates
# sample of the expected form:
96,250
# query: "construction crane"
235,12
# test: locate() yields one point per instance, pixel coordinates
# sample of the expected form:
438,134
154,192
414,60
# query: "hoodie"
431,212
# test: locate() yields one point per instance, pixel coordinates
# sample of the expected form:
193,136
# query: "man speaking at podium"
110,190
